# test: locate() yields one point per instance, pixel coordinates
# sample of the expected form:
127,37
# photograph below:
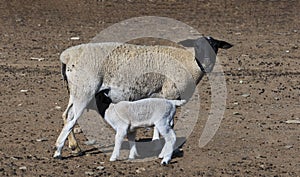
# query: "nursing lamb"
125,117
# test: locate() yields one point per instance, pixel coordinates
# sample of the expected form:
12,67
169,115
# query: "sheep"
130,72
125,117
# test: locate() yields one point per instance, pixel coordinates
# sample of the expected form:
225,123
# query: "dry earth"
253,139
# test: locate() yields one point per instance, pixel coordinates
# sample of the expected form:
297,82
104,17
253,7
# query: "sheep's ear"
188,43
224,45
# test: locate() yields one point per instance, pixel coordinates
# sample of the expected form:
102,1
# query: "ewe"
131,72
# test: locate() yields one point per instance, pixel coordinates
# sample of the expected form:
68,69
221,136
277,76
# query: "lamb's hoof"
164,163
113,159
59,157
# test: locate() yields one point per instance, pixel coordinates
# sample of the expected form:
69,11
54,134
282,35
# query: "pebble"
90,173
100,168
57,107
23,168
236,113
77,130
90,142
288,146
75,38
23,91
140,170
293,121
38,59
246,95
41,139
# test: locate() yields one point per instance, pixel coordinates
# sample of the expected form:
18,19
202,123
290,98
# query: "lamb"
125,117
131,72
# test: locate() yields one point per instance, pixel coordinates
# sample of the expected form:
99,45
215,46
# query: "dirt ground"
254,138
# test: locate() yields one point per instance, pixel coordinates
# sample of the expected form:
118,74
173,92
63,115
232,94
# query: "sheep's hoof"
80,153
75,149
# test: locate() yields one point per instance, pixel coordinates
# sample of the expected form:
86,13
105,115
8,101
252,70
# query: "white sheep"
125,117
131,72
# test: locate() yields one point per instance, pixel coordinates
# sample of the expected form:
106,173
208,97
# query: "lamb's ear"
224,45
188,43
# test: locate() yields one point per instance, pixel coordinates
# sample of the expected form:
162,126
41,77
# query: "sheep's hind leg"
131,138
77,109
73,145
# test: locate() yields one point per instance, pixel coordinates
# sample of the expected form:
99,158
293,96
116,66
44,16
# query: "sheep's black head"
206,49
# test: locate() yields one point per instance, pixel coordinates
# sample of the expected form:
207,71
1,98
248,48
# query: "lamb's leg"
73,145
168,133
121,133
77,108
132,144
155,134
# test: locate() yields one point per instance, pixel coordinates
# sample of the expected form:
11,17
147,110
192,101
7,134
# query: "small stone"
77,130
140,170
100,168
241,81
246,95
236,103
90,142
89,173
288,146
287,51
41,139
23,91
23,168
296,121
57,107
38,59
236,113
75,38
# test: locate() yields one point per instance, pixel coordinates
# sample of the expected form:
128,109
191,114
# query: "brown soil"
255,142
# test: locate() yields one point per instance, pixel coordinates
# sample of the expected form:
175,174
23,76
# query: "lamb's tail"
178,102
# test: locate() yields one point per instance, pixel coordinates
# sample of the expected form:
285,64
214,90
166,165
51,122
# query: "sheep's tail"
63,73
178,102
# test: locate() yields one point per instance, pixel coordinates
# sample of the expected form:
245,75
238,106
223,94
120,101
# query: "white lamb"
125,117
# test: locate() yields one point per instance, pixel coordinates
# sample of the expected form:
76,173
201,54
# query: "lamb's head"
206,49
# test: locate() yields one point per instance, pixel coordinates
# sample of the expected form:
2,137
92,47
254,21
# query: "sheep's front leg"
121,133
131,138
